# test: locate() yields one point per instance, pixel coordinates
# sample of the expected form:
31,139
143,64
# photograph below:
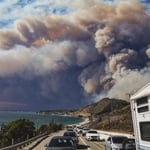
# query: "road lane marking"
83,141
93,144
99,144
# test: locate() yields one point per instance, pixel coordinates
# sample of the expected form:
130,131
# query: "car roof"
61,137
69,132
61,143
92,131
118,136
86,128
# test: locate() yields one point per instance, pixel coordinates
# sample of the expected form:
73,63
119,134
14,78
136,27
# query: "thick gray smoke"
102,49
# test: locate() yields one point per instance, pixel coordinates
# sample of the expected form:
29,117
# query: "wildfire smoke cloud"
108,43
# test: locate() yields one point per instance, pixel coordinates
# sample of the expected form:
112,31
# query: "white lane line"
83,141
98,145
93,144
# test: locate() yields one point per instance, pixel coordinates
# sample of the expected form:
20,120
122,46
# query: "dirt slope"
108,114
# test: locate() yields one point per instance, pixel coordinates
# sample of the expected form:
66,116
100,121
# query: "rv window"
142,109
145,131
142,101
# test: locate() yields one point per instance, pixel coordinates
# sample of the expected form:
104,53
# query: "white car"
92,135
84,131
79,129
115,142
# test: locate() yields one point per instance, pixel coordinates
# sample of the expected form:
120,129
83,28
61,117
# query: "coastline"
85,121
38,119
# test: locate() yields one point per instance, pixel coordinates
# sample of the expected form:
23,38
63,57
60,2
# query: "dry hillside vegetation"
108,114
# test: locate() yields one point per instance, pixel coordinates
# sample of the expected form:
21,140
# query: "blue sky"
12,10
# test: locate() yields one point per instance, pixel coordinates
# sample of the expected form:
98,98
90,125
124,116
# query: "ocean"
38,119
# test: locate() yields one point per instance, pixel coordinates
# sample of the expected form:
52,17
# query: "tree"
42,129
19,130
53,127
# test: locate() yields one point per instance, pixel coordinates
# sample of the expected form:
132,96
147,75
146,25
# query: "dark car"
73,135
61,143
69,128
129,144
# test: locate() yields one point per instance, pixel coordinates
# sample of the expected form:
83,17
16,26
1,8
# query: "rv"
140,108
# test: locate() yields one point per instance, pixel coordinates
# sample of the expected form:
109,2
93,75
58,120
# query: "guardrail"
20,146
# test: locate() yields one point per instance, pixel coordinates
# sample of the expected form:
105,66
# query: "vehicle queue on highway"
70,140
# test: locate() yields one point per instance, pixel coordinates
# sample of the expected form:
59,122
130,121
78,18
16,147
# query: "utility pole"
109,111
12,141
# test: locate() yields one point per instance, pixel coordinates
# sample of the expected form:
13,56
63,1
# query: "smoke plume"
101,48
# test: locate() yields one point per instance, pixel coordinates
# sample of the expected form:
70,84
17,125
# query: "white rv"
140,108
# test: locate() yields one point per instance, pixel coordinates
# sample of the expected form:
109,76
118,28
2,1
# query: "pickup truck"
92,135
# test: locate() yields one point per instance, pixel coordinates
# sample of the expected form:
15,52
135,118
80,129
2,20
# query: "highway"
94,145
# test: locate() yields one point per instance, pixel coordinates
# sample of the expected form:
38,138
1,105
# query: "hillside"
108,114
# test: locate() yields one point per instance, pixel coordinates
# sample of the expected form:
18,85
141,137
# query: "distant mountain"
103,106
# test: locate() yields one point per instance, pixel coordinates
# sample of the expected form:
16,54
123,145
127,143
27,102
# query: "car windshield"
118,139
60,142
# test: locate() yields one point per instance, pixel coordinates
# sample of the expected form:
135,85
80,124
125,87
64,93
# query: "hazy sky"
58,54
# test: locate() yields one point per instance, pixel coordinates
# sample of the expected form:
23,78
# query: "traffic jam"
77,137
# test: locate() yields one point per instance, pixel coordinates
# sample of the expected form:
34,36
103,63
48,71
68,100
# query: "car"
115,142
73,135
61,143
79,129
69,128
92,135
129,144
84,131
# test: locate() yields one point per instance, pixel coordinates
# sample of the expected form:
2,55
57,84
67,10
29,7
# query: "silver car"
115,142
129,144
61,143
84,131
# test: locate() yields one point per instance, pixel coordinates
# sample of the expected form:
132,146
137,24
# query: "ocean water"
38,119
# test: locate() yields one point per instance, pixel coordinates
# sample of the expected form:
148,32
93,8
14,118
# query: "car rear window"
92,132
86,129
70,134
118,139
61,143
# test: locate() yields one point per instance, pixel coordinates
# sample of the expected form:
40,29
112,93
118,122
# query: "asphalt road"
94,145
41,146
